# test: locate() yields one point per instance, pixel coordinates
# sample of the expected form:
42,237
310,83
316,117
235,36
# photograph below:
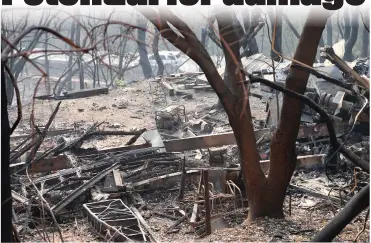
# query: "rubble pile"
184,177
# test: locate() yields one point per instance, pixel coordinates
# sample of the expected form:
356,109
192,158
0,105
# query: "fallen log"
84,93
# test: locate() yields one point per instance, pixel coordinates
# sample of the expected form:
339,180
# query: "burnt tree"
143,54
250,22
6,198
265,194
351,40
329,32
160,64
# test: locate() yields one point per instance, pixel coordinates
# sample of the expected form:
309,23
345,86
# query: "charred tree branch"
354,207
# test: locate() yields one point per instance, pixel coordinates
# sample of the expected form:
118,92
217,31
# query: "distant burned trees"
351,33
142,24
160,64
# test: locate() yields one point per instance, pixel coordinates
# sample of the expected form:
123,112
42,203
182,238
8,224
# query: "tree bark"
350,42
347,26
365,43
143,54
250,23
70,57
6,198
329,32
79,60
283,149
321,44
160,65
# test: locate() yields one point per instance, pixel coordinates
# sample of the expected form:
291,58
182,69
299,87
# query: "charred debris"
187,172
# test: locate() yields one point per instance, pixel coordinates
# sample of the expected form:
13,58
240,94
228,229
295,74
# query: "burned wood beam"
182,181
81,189
216,140
84,93
328,53
205,175
354,207
49,134
160,181
195,206
129,156
117,178
135,137
41,137
178,222
81,139
316,194
114,133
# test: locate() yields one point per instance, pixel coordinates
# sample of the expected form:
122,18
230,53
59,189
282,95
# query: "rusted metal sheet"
115,221
216,140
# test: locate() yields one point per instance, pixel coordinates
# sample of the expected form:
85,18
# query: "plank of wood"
216,140
49,133
117,178
206,141
85,93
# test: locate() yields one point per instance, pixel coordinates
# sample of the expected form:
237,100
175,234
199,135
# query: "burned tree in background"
160,64
143,54
352,33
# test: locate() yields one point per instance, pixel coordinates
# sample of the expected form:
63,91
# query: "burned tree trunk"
321,44
250,22
6,198
329,32
275,18
160,64
347,27
350,42
70,59
283,149
365,43
79,60
143,54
